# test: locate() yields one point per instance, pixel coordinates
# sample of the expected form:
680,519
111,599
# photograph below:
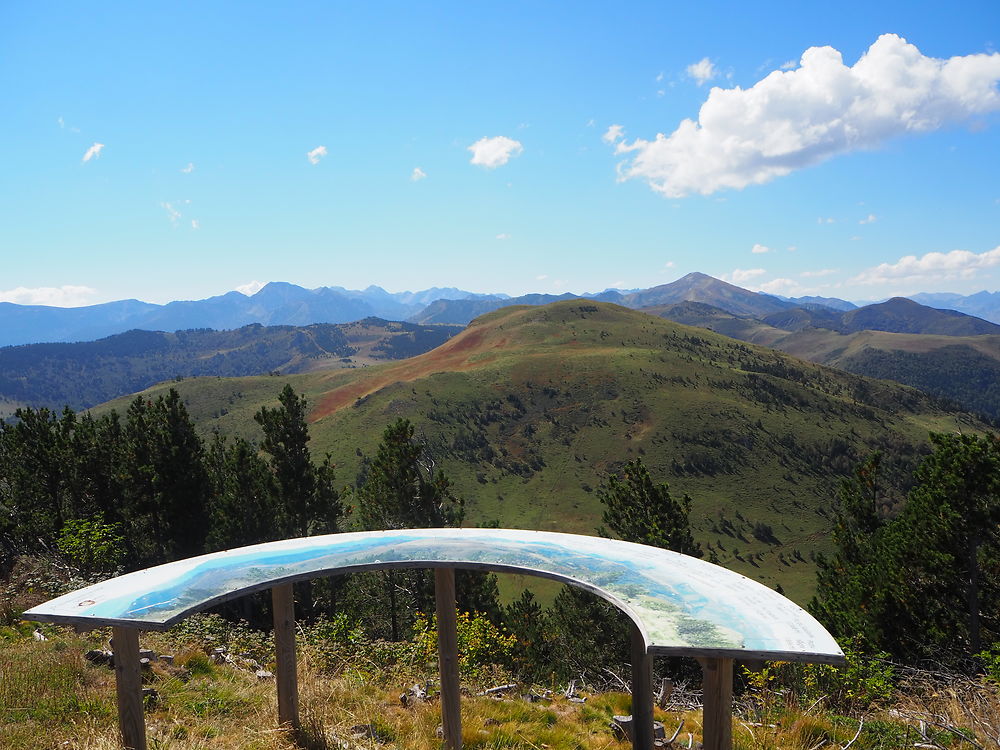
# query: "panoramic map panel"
680,602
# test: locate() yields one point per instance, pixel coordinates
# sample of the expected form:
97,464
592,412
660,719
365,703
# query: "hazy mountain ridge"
985,305
81,375
281,303
277,303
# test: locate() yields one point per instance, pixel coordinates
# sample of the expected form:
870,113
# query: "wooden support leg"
451,716
128,684
717,716
286,668
642,693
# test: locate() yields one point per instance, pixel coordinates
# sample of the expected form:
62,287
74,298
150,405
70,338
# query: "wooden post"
717,714
128,685
451,709
642,693
286,668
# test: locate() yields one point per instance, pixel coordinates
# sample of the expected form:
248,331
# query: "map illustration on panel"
681,604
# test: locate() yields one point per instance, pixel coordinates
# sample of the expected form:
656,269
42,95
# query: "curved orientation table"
679,605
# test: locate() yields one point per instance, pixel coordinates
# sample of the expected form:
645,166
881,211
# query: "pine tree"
244,496
922,584
308,502
401,490
637,510
164,482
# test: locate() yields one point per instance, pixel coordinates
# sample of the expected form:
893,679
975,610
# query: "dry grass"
52,699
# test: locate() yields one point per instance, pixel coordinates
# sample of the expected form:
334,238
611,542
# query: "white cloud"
788,65
250,288
870,219
93,152
613,134
825,220
541,277
758,249
57,296
494,152
792,248
189,168
417,174
741,275
668,264
957,264
788,287
797,118
172,212
62,122
702,71
316,154
503,236
195,224
817,274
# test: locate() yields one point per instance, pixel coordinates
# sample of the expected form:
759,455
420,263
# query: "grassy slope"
529,406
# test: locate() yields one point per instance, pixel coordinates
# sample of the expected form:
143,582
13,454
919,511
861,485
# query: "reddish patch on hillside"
452,356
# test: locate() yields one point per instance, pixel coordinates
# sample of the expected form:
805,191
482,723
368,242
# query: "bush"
862,682
92,545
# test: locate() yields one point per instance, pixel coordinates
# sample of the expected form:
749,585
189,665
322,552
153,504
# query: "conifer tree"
923,584
401,490
244,497
637,510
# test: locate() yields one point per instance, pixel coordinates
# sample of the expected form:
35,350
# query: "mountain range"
277,303
944,352
281,303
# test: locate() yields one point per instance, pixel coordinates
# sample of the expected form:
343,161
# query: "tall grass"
52,699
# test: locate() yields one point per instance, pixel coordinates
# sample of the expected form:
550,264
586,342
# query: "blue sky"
176,151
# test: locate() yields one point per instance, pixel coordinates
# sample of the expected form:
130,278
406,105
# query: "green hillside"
965,369
528,406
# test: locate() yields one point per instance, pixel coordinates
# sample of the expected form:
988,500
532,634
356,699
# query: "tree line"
918,580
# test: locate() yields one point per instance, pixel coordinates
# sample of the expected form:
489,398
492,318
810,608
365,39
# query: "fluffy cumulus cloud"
56,296
417,174
869,219
494,152
797,118
787,287
743,275
957,264
759,249
93,152
316,154
614,133
701,71
189,168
